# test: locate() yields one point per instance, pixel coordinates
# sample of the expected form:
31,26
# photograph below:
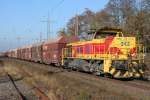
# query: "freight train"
108,52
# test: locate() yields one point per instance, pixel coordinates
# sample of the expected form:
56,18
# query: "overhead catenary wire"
48,21
58,5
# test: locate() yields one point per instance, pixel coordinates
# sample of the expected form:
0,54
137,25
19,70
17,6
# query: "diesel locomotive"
108,52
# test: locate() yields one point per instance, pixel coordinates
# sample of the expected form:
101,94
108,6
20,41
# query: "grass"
60,87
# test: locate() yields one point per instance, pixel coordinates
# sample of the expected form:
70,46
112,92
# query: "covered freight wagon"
14,53
23,53
19,53
52,50
36,51
27,53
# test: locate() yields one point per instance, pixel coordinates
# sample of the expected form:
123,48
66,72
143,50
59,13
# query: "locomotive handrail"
140,54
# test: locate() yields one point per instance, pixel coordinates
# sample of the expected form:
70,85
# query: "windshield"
100,35
86,37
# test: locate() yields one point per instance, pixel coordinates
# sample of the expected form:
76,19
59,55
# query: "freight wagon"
36,52
52,50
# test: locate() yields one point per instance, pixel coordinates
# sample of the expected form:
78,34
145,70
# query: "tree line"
133,16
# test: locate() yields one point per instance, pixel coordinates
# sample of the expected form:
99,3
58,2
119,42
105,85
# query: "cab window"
101,35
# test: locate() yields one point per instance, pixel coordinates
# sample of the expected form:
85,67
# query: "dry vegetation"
59,85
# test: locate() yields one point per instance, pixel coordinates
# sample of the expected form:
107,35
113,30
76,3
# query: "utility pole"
40,36
76,25
48,21
48,26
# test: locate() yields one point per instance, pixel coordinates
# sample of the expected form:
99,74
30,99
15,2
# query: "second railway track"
18,91
41,95
21,96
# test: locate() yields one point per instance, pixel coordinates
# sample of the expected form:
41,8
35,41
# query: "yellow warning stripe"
117,74
141,71
126,74
112,70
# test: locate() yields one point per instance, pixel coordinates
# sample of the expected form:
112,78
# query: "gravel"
8,91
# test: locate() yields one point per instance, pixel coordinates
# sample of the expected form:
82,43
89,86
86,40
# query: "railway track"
41,95
144,85
9,78
20,95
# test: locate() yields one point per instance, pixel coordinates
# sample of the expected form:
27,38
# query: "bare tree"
84,22
103,19
62,32
113,8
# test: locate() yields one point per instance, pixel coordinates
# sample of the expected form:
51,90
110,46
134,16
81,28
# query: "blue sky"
23,18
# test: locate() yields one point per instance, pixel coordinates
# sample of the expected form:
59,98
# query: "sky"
23,21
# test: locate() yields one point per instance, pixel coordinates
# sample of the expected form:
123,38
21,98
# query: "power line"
48,21
60,3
